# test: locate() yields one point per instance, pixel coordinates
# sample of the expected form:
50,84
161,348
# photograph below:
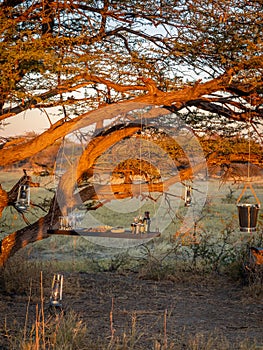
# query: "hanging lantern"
188,196
247,212
56,291
23,198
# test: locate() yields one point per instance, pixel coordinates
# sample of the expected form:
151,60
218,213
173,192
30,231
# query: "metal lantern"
56,291
188,196
23,198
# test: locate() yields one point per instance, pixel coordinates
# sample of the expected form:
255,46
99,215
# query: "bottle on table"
147,222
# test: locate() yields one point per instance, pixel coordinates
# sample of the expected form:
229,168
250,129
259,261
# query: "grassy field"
97,272
214,223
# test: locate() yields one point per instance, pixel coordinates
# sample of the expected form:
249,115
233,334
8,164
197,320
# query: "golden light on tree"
97,61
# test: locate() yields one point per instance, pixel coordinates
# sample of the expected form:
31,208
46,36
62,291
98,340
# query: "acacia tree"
92,59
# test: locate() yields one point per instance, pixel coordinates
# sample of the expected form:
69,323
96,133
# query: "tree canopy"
80,55
201,60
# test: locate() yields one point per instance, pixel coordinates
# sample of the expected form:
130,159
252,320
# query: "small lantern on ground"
55,302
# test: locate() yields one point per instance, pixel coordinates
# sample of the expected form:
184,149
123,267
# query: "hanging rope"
140,164
249,148
56,186
248,183
248,212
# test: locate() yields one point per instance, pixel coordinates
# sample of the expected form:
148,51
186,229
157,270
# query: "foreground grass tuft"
65,331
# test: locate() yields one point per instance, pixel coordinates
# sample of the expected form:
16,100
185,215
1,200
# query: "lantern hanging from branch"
188,196
23,198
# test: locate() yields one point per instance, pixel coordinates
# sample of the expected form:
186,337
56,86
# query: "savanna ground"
106,310
160,295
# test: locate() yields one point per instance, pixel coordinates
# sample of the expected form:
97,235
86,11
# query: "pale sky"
30,120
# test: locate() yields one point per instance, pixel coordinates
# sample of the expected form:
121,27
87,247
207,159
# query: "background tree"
199,59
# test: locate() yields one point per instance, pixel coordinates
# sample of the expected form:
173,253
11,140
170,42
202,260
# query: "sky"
30,120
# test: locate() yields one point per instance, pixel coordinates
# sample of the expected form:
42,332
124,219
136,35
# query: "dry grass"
68,331
62,332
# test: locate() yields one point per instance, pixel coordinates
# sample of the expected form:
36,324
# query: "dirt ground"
156,309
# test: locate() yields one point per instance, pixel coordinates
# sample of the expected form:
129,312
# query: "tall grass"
63,332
